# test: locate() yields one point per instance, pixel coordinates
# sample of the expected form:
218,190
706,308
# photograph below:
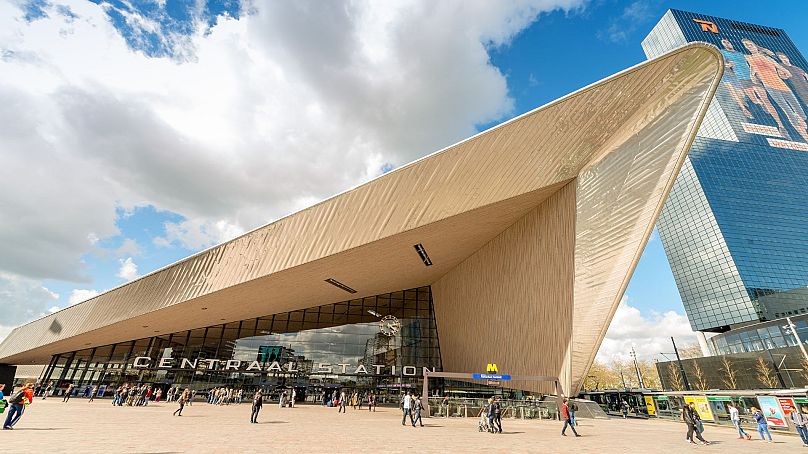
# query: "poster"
787,404
649,403
771,410
702,407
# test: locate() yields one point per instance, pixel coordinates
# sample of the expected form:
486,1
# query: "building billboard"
772,411
702,407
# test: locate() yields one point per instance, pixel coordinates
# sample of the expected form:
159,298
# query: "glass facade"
381,343
762,336
735,226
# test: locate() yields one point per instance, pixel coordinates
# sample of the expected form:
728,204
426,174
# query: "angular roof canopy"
617,143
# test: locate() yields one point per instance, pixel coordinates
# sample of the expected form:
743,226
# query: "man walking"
18,401
691,417
418,407
735,417
257,403
799,420
565,415
406,407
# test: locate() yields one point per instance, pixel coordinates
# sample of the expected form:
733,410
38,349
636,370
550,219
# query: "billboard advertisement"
787,404
702,407
772,411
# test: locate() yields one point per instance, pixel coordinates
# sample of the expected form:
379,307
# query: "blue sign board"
492,377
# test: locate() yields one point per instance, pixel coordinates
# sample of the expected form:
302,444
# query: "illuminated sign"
491,377
491,369
707,26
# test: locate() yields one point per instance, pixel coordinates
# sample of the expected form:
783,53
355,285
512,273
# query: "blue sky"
176,206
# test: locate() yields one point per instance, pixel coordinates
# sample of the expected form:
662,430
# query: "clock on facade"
389,325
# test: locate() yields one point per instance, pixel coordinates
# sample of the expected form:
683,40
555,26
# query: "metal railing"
511,408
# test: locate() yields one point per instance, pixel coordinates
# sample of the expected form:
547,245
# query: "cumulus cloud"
650,334
248,119
78,295
22,299
128,269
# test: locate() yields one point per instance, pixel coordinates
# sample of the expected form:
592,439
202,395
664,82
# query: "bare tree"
690,351
701,377
675,378
729,374
766,375
804,371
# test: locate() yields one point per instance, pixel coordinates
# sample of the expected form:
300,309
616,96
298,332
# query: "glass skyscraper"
735,226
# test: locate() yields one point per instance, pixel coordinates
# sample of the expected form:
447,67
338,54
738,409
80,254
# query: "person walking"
691,417
93,393
406,407
418,405
343,402
294,397
565,415
624,409
573,408
799,419
257,403
735,417
48,390
763,425
18,402
181,401
371,402
69,392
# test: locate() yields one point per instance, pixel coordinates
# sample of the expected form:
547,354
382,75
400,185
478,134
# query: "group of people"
225,396
139,395
412,406
355,400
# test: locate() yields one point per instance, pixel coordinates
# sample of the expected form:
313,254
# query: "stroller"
483,425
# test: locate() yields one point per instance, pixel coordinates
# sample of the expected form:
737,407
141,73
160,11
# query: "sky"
133,134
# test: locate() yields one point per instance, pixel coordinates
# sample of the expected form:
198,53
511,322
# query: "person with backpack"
418,407
496,425
573,408
18,402
691,417
800,420
565,415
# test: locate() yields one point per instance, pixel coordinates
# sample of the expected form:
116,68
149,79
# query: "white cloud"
128,247
198,234
649,335
293,102
78,295
128,269
22,299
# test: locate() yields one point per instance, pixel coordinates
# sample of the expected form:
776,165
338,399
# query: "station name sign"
234,365
491,377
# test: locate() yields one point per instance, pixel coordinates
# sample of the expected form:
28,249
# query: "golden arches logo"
491,369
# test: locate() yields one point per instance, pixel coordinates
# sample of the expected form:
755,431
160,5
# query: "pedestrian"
406,407
498,413
573,408
48,390
372,402
624,409
565,415
257,403
294,397
342,402
799,418
69,392
735,417
763,425
191,397
691,417
418,407
157,395
93,393
18,402
181,401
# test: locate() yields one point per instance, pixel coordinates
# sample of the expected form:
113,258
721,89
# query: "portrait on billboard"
768,90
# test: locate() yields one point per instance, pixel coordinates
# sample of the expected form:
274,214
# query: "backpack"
18,397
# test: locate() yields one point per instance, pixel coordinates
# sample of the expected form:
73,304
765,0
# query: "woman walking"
763,425
183,398
257,403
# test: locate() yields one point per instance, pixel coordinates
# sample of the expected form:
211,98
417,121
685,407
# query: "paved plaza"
79,426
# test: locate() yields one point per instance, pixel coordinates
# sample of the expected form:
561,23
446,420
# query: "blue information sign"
492,376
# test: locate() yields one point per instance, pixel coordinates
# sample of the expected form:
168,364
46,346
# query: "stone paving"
82,427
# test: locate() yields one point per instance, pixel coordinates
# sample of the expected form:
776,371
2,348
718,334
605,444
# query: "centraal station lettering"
145,362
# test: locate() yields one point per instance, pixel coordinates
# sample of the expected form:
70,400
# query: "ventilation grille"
422,253
339,284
